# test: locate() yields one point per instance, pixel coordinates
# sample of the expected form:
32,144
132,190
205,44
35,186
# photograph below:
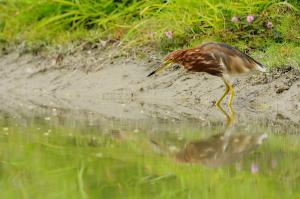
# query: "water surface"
47,155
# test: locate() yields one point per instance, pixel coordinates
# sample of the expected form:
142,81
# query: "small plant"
247,28
164,25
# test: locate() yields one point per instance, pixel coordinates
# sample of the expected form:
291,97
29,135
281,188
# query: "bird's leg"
231,95
231,91
230,117
225,93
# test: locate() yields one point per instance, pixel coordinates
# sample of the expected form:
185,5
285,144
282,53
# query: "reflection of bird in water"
217,59
216,151
229,118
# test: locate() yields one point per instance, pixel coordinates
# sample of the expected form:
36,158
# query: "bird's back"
233,59
218,59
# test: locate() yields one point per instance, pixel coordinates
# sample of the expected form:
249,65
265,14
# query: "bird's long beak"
163,66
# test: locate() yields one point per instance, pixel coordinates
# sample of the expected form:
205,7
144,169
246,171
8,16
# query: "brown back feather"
199,61
214,58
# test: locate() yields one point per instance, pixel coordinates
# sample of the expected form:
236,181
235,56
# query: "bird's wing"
202,61
235,60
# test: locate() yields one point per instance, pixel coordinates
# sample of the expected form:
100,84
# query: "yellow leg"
230,118
225,93
231,95
229,89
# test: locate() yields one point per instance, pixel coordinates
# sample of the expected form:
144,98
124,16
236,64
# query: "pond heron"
217,59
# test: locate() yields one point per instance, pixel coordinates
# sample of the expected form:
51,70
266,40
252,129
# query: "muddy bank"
114,85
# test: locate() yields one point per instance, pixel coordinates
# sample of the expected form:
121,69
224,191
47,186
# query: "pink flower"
254,168
234,19
169,34
269,24
250,18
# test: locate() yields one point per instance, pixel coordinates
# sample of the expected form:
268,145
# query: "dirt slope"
117,87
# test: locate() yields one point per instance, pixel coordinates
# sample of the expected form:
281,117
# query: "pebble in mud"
281,89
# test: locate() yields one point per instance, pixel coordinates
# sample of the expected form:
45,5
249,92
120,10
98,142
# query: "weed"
249,25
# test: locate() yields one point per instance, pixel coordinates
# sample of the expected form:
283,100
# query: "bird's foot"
214,103
217,103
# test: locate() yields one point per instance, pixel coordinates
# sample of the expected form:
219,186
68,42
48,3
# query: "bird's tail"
160,68
261,68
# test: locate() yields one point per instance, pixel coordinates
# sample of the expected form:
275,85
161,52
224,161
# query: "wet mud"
116,86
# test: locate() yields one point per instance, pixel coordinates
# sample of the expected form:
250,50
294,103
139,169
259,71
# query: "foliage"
140,22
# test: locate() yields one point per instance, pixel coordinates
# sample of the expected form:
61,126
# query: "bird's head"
171,58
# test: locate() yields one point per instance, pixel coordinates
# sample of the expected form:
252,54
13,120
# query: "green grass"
136,23
286,54
46,161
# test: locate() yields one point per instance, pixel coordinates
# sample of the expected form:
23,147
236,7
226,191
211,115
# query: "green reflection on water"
39,159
